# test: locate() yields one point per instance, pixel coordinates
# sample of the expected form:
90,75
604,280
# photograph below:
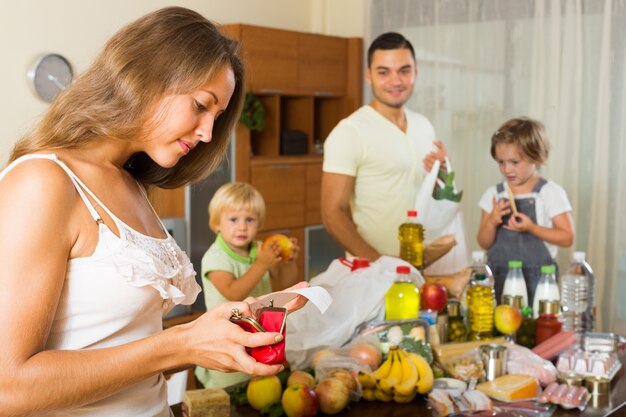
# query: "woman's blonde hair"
170,51
235,196
528,134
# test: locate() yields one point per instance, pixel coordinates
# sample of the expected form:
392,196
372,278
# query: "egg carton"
584,363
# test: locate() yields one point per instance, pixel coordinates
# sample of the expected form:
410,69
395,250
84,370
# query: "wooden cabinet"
306,82
168,203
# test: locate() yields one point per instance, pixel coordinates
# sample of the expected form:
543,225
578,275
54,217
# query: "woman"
88,268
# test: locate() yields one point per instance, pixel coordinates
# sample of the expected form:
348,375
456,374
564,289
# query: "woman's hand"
217,343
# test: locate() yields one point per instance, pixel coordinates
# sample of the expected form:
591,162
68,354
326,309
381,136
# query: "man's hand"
440,154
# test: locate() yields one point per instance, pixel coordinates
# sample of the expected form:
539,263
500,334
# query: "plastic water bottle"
577,295
402,300
515,285
411,236
480,298
547,288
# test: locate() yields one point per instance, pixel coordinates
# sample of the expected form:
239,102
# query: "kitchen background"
480,62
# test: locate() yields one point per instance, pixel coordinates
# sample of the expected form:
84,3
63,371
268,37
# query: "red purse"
271,319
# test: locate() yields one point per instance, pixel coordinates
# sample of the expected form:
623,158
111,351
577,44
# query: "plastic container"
514,284
577,295
481,299
548,323
547,288
411,236
402,300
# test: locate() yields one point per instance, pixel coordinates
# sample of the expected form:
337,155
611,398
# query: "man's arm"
336,192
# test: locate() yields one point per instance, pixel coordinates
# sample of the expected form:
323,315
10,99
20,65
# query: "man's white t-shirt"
387,166
550,201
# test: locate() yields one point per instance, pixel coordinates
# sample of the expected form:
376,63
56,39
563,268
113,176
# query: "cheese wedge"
513,387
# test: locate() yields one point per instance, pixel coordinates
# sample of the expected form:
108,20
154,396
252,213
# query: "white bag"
434,215
358,296
458,257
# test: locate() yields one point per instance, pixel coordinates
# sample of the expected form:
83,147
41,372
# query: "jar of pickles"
456,325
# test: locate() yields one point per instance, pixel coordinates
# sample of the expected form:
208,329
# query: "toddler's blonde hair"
235,196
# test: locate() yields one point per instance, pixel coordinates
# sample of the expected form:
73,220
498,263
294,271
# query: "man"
373,158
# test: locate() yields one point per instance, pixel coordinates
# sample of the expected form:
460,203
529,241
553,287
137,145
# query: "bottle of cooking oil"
481,300
402,300
411,236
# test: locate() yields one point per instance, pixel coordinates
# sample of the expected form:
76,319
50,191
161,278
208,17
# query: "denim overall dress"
510,245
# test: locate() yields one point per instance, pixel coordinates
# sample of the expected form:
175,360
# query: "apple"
301,377
263,391
507,319
286,245
433,297
300,400
321,354
333,395
345,376
367,353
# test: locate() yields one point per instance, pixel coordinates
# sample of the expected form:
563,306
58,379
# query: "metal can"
494,359
571,378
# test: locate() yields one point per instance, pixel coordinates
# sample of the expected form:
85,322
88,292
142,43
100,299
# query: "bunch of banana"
402,376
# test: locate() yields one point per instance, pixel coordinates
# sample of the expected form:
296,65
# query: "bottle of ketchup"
548,323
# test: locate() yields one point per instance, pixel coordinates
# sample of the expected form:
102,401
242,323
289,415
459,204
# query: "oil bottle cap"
411,213
515,264
360,263
403,269
548,269
527,311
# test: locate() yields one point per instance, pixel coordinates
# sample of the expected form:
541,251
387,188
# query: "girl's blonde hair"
528,134
235,196
170,51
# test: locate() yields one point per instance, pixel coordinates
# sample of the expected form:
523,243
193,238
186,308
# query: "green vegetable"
237,393
447,192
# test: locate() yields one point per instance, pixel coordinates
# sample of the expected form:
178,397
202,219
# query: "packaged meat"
470,402
466,366
551,347
566,396
522,360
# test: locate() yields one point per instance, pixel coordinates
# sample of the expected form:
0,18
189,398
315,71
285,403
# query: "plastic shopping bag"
436,208
358,296
458,257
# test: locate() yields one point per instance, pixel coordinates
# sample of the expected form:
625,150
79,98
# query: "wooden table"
610,405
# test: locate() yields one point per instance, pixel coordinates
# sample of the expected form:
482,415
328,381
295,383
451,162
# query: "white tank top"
118,295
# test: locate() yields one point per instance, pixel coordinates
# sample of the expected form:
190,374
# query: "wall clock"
50,75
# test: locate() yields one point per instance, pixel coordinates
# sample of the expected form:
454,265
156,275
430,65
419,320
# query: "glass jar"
526,332
456,325
548,323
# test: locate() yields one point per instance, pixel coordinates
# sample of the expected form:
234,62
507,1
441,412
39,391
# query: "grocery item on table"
445,403
525,335
448,350
550,348
402,300
577,295
454,386
547,288
585,363
494,358
480,299
514,283
566,396
511,387
601,342
411,236
522,360
548,323
465,366
411,335
456,325
208,401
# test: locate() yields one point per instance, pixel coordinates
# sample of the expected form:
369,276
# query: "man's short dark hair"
388,41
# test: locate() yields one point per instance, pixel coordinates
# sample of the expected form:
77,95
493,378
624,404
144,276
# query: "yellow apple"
301,377
507,319
286,245
263,391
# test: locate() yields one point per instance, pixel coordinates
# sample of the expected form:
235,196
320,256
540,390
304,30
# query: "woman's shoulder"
38,176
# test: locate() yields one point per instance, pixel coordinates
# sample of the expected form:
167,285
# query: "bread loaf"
209,402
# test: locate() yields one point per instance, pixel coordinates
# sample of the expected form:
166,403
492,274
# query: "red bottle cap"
403,269
359,263
411,213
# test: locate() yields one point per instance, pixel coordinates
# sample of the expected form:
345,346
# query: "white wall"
77,29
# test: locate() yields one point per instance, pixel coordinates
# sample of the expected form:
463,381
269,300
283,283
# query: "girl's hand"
519,223
268,255
217,343
500,208
296,250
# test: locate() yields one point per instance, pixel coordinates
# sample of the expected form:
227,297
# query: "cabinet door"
313,193
322,64
168,203
283,189
271,59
